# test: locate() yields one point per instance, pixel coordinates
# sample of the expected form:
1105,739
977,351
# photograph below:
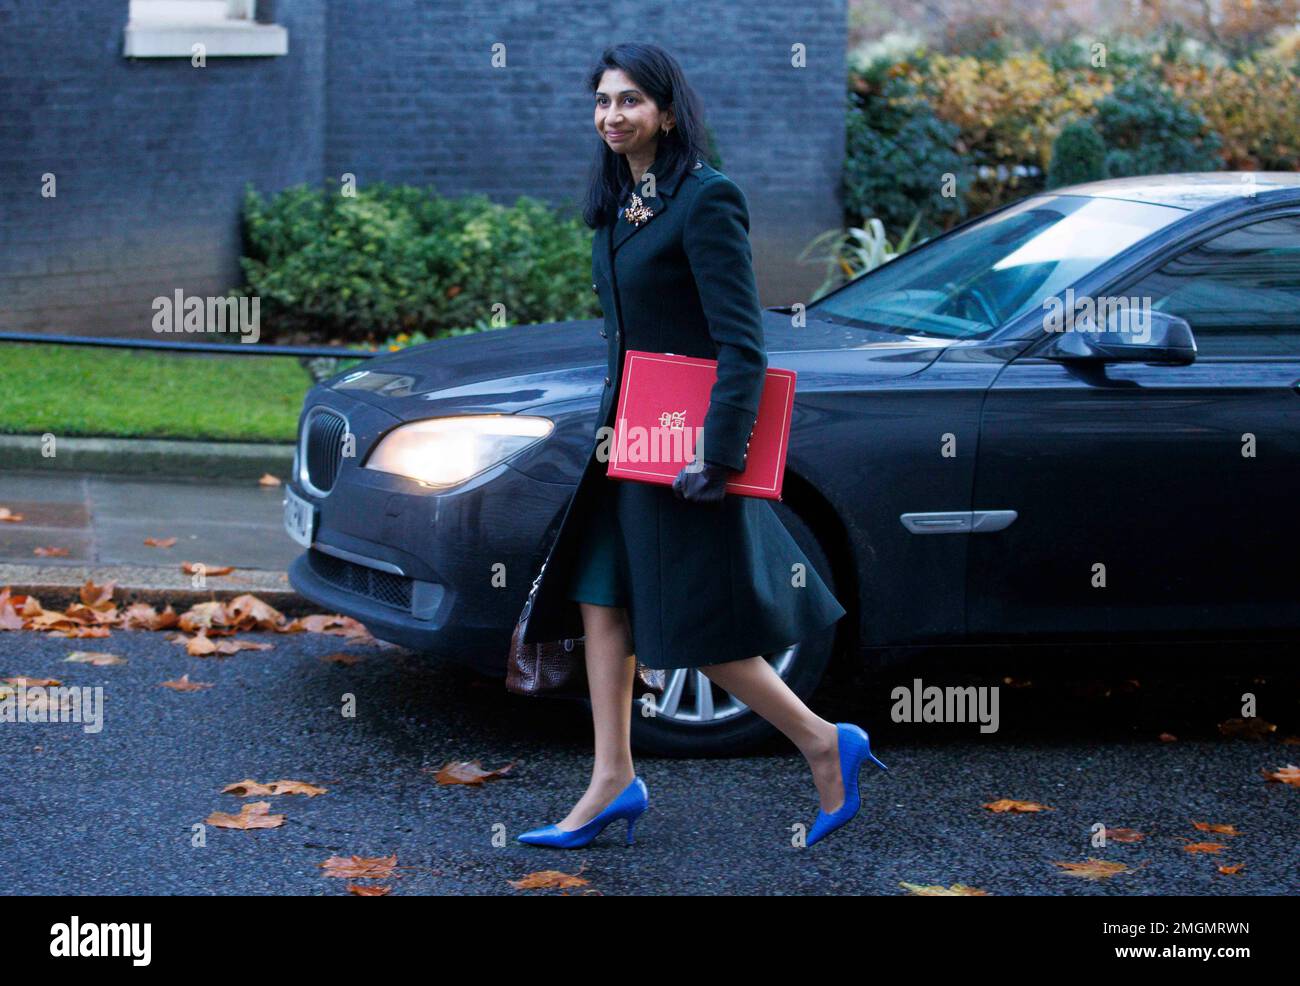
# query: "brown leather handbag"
557,667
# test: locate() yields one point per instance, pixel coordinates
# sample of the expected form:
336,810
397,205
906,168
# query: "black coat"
708,582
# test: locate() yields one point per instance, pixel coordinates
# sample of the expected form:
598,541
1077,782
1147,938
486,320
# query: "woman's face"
626,118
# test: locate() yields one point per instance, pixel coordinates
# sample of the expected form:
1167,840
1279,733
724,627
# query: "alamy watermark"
930,703
53,703
208,314
1126,314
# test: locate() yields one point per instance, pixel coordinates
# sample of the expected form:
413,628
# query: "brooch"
636,213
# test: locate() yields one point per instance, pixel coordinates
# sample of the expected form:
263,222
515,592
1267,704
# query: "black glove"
709,485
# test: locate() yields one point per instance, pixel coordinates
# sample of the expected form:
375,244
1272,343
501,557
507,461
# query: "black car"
1073,419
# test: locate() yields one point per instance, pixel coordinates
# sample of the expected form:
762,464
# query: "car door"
1155,499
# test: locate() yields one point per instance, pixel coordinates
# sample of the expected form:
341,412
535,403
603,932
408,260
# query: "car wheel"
694,717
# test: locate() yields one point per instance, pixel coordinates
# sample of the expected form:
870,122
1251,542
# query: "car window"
1239,291
970,283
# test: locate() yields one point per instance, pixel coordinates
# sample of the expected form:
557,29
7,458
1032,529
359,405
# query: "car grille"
323,448
382,587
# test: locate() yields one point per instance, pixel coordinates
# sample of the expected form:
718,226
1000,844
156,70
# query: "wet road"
115,812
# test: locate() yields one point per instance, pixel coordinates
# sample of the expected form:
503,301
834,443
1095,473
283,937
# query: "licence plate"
299,518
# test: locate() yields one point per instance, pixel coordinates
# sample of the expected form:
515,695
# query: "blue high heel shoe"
854,747
630,804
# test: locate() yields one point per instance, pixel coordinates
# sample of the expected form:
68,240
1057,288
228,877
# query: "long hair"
657,73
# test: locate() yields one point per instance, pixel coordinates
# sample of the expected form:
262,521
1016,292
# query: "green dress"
600,573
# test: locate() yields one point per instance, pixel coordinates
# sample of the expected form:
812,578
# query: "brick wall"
151,155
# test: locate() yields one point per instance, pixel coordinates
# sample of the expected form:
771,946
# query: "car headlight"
446,451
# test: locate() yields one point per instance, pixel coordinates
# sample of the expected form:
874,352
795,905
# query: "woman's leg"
756,683
611,667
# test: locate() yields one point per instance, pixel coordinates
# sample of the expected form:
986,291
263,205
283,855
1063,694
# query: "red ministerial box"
667,396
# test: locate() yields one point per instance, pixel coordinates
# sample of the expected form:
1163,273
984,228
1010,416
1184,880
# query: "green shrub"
397,259
1078,155
897,155
1148,130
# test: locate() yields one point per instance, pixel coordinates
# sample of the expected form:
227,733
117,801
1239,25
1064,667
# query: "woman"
685,576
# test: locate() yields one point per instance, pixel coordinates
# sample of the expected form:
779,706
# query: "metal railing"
339,352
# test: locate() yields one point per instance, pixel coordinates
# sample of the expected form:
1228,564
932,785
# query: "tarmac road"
114,812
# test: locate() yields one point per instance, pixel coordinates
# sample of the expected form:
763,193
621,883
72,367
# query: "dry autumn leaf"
268,480
99,597
142,616
936,890
548,880
360,891
201,645
77,633
195,567
1010,805
22,682
360,867
1252,727
1216,828
7,515
1124,835
251,788
251,816
99,659
341,658
467,772
1093,869
1168,738
1205,847
1290,774
1234,868
50,552
185,685
159,542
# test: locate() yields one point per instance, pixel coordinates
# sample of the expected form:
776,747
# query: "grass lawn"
125,393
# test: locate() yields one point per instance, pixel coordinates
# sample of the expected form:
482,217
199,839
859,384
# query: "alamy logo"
76,940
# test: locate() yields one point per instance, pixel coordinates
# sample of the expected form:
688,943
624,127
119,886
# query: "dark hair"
658,74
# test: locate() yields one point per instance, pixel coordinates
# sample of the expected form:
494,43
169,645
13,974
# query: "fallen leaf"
1124,835
1290,774
99,659
548,880
251,816
22,682
153,542
937,890
50,552
366,868
1252,727
142,616
1215,828
1007,804
467,772
247,612
1093,869
7,515
1234,868
341,658
97,596
361,891
1168,738
185,685
195,567
251,788
268,480
81,632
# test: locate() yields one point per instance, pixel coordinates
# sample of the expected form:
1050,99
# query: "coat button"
604,334
593,286
607,381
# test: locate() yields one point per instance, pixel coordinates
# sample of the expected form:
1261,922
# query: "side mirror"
1127,335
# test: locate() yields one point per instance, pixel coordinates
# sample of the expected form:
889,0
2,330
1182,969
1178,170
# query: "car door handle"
958,521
